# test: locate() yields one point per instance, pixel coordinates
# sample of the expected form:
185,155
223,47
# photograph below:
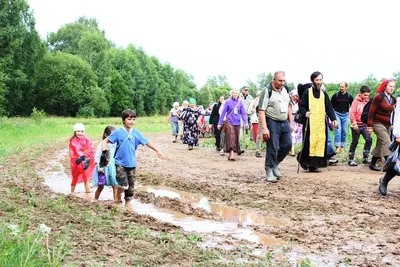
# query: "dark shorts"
126,180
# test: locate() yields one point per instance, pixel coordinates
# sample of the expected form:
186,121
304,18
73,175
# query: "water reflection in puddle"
228,213
60,182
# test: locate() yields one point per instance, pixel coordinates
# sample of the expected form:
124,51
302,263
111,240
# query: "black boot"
384,183
372,164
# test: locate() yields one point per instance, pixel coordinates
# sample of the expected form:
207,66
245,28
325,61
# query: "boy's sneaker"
222,152
366,161
352,163
332,161
258,155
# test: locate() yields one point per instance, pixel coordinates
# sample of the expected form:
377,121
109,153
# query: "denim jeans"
355,135
330,151
279,142
341,131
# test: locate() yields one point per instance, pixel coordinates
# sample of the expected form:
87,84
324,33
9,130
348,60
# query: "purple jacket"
233,109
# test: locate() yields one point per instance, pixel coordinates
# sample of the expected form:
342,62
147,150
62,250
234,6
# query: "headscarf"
79,127
383,85
192,101
293,92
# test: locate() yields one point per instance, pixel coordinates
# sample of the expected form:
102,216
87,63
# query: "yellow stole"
317,124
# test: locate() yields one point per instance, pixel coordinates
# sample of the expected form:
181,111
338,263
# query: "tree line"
77,71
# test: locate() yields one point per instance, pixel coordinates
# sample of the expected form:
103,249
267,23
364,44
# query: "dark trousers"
217,134
279,142
355,135
388,176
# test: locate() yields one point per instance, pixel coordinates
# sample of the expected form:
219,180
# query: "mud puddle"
230,214
60,182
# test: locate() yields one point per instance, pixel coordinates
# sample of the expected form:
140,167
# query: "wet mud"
336,217
165,209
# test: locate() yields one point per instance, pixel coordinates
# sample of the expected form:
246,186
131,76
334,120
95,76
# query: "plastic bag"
393,159
397,167
101,178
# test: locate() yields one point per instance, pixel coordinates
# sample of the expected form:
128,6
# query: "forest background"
76,71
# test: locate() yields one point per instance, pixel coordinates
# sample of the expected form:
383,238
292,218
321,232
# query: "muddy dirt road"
333,218
337,215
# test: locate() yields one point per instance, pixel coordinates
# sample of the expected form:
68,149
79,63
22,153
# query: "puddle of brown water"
228,213
60,182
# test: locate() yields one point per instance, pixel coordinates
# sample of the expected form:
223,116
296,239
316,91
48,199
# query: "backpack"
297,117
348,95
270,90
365,111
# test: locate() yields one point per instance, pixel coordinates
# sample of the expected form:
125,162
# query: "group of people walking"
276,116
307,115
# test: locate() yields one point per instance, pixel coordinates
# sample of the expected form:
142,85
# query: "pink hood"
356,109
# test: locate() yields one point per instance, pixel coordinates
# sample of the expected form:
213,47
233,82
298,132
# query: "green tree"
67,84
165,94
184,83
84,38
152,93
20,50
69,37
205,96
263,79
3,91
372,82
214,87
396,78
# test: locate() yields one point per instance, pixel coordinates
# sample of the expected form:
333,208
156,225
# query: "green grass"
22,247
18,134
344,157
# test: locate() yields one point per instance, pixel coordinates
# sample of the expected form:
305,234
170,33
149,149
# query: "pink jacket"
356,110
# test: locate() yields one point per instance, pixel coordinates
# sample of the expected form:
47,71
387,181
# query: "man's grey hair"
279,72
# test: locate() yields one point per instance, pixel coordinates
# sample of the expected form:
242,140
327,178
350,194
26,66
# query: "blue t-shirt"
125,155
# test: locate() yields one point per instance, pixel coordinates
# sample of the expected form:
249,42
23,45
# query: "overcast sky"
344,39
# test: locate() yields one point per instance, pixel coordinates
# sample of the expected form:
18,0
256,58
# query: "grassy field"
18,134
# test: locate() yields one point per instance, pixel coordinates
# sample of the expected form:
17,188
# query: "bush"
86,112
38,115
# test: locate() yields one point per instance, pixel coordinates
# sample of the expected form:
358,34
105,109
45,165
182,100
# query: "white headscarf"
79,127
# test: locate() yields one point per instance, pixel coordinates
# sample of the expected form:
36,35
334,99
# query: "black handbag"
298,118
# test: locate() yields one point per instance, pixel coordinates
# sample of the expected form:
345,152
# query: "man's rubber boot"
270,176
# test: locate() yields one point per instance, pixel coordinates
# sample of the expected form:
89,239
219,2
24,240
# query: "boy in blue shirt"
127,140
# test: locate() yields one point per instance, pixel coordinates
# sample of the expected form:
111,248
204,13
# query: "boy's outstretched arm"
152,146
